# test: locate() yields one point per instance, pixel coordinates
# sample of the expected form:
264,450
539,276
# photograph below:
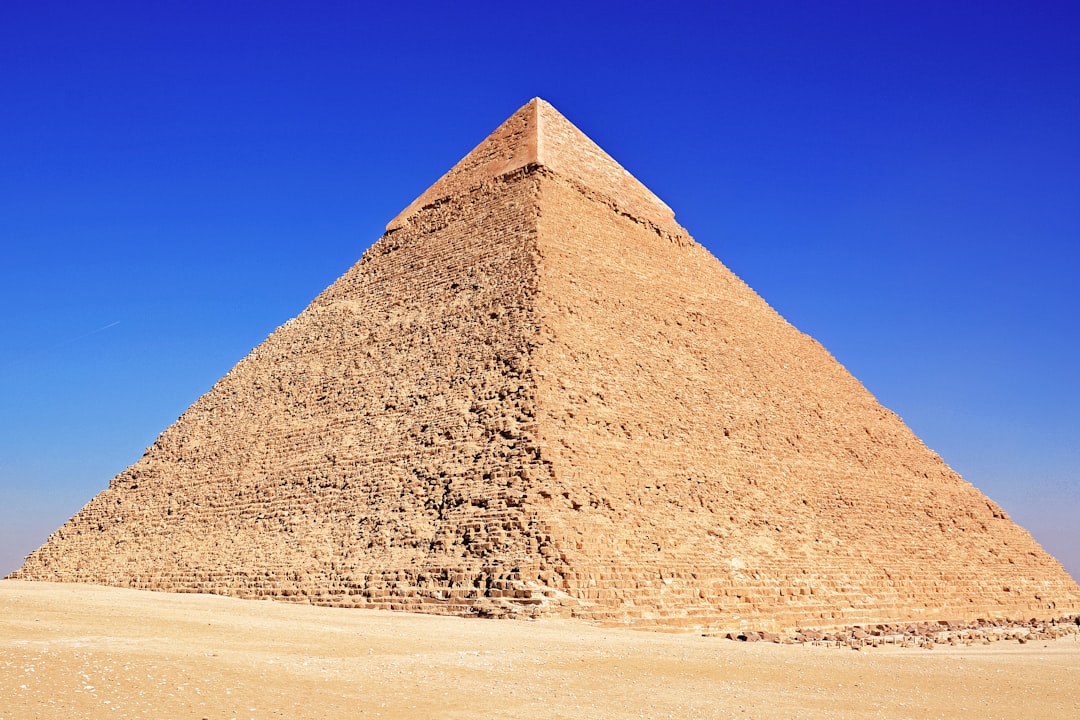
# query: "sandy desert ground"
70,651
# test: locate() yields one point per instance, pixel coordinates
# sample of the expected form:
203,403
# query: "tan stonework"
537,394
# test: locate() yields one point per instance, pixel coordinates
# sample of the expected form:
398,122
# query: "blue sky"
899,180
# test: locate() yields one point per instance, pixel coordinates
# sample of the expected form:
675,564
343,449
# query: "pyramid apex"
538,134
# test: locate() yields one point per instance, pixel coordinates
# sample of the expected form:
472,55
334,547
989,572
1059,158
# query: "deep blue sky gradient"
900,180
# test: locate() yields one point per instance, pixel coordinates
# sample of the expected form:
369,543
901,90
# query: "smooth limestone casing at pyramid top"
537,394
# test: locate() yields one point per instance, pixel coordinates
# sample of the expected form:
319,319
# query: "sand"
86,651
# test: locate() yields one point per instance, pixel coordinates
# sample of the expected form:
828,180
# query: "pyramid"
537,395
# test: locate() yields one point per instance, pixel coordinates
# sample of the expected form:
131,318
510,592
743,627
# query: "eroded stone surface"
537,394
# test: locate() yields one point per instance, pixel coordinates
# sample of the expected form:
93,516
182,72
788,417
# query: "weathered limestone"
537,394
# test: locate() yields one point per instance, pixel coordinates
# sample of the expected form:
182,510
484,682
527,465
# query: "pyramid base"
671,605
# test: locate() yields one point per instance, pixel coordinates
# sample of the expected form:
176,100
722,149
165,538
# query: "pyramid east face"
536,394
